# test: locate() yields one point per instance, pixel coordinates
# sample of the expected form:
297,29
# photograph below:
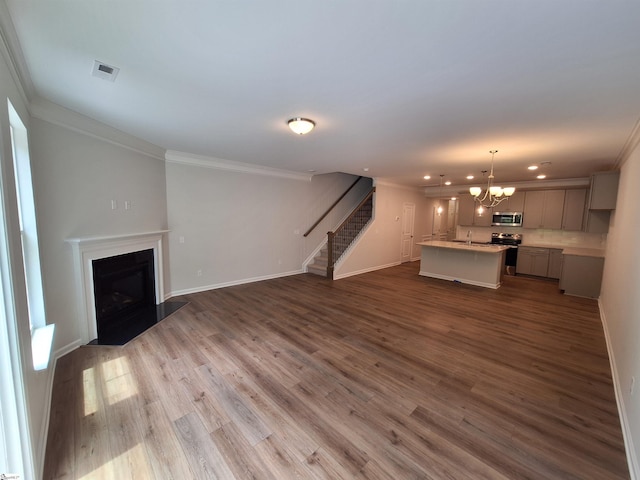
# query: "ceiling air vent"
104,71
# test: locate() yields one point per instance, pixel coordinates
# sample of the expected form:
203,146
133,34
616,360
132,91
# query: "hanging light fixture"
494,194
440,209
301,126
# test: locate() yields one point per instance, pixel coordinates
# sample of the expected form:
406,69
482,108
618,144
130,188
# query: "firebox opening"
125,300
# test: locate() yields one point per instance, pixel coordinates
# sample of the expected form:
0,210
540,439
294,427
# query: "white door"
408,214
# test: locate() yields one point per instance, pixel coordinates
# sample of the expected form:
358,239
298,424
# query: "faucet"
469,237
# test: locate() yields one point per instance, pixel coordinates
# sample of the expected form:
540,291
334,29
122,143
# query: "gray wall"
620,300
76,176
380,244
230,227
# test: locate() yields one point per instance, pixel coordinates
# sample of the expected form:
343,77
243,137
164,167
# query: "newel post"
330,237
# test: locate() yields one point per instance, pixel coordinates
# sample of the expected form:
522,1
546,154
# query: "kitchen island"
475,264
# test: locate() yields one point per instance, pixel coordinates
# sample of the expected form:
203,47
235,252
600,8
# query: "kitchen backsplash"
561,238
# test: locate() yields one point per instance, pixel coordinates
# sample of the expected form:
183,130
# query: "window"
41,333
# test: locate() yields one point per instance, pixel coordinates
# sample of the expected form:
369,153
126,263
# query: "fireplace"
124,290
86,250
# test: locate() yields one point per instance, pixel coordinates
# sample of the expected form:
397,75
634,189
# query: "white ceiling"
401,87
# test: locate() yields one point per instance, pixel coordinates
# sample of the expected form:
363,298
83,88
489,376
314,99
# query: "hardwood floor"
387,375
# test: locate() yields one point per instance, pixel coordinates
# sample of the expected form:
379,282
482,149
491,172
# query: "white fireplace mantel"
88,249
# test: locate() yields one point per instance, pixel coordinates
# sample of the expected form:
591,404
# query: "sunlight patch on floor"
118,382
123,466
89,390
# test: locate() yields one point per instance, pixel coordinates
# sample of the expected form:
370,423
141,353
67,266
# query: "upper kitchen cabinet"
514,203
573,212
602,200
468,214
604,191
543,209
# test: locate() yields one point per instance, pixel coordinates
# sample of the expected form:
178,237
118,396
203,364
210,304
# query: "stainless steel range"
511,257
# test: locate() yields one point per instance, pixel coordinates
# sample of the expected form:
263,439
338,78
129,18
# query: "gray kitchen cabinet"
543,209
597,221
582,275
604,191
468,213
555,263
533,261
514,203
573,211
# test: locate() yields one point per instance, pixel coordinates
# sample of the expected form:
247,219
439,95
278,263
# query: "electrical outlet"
127,205
181,239
199,273
114,204
633,385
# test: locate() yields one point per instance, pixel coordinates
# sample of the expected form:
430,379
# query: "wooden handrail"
331,207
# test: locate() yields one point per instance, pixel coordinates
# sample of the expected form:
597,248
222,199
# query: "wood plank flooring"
387,375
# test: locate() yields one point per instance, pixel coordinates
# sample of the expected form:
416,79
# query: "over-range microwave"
507,219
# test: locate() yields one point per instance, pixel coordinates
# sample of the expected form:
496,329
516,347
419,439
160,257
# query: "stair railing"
332,207
339,240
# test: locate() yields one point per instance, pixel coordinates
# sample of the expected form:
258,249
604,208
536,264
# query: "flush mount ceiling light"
301,126
493,195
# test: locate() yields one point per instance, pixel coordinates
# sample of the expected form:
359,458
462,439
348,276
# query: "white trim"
233,283
629,146
365,270
76,122
10,48
455,190
632,459
88,249
194,160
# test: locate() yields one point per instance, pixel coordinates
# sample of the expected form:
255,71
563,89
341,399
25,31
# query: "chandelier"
493,195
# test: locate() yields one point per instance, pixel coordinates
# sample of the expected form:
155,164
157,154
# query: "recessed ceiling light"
453,198
365,169
540,177
447,183
427,177
469,177
532,167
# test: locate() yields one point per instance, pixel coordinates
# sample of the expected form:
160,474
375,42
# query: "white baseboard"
215,286
632,459
364,270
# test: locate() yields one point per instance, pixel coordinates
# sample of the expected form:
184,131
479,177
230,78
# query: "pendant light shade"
301,126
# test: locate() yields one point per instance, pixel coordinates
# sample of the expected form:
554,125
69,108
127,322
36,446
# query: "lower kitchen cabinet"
555,263
582,275
533,261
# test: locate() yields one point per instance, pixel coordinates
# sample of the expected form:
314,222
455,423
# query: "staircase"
340,240
320,262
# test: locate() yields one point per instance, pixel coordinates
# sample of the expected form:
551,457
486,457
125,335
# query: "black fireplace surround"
125,300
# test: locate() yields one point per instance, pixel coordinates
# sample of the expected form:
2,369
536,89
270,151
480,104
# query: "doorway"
408,217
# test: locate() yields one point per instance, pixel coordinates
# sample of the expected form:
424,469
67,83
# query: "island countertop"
474,247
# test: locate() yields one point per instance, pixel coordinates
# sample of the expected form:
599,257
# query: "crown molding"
630,145
389,183
183,158
11,51
563,183
74,121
